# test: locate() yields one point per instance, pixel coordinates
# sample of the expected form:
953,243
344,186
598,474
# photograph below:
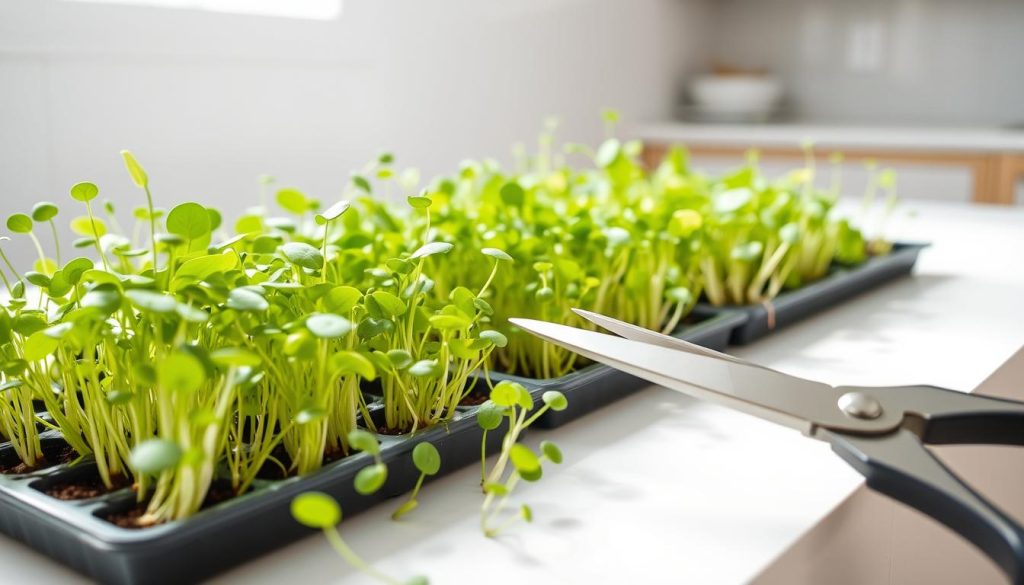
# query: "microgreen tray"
596,385
841,284
218,537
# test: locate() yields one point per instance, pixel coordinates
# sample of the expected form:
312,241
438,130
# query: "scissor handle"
899,466
951,417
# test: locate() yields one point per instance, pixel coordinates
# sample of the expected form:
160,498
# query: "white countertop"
920,138
661,488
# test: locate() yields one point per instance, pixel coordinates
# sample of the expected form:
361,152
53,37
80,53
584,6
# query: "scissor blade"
630,331
793,402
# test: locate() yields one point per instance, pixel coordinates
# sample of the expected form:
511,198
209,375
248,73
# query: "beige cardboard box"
870,539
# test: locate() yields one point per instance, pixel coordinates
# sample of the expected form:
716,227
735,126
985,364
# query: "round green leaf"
154,456
74,269
371,478
532,475
363,441
39,345
551,451
489,415
84,191
243,299
105,297
191,314
426,458
556,400
426,369
200,268
189,220
506,393
418,202
341,299
316,510
19,223
333,212
301,346
371,327
680,295
352,361
512,194
431,249
37,278
450,321
303,255
44,211
790,233
181,372
215,218
497,254
328,326
523,458
391,305
293,200
361,183
399,358
151,301
496,338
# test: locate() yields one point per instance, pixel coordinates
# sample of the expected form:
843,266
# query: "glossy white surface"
660,488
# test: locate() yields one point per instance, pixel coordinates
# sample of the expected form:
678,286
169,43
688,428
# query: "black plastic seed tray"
221,536
596,385
841,284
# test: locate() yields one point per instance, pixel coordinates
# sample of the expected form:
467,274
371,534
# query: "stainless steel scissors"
880,431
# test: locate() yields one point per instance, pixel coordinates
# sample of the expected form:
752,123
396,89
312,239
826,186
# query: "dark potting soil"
51,457
86,487
218,493
474,399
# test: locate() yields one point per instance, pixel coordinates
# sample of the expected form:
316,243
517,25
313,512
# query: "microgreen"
510,400
428,462
186,348
320,511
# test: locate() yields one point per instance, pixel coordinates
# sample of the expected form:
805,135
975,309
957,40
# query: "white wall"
209,101
950,62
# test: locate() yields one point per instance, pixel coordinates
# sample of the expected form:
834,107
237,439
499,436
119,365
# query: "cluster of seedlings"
184,353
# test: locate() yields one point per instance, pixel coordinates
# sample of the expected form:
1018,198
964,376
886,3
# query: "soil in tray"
54,453
218,493
87,486
475,398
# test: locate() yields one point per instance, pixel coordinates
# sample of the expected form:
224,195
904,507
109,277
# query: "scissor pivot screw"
860,405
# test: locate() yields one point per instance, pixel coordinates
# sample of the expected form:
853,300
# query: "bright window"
304,9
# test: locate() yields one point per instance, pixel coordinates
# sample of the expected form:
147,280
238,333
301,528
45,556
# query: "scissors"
880,431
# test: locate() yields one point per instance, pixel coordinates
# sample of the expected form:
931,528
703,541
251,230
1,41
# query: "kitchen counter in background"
993,156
